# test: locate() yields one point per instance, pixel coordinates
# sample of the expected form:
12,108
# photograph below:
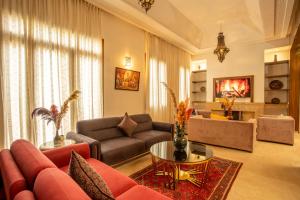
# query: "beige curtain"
165,63
48,49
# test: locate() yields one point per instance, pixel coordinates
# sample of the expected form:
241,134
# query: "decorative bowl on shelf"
202,89
276,85
275,100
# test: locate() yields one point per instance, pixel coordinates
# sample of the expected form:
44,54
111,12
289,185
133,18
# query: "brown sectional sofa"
226,133
110,145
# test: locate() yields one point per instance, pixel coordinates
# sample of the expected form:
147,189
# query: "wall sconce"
127,61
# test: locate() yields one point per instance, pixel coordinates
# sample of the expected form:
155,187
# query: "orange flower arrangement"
182,111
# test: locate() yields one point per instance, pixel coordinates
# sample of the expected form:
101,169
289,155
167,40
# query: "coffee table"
195,155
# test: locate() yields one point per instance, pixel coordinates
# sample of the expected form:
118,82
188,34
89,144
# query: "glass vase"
180,140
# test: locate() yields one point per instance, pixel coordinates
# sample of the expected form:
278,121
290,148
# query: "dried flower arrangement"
55,116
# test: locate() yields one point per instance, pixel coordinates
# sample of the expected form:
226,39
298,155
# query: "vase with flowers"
56,116
227,104
182,114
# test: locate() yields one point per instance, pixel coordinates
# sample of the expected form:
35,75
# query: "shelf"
276,63
277,76
276,103
197,92
198,101
198,71
277,90
198,81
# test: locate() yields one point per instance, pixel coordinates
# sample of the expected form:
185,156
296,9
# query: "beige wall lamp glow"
127,62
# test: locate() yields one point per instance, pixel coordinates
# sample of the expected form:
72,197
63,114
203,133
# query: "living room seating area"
30,174
112,145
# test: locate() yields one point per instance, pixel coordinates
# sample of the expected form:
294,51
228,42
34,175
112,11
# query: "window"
41,65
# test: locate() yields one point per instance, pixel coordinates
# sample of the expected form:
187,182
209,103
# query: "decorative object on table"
202,89
275,100
242,87
127,79
276,85
275,58
182,115
55,116
227,104
220,177
146,4
221,49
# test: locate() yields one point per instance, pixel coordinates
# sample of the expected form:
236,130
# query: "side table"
50,145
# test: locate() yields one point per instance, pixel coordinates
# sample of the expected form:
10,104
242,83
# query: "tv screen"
241,87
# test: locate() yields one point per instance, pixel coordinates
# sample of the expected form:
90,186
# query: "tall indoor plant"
54,115
182,114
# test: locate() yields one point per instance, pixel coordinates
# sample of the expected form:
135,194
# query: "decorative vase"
229,114
58,139
180,141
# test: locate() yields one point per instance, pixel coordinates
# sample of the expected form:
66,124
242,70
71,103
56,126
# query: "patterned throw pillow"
127,125
88,179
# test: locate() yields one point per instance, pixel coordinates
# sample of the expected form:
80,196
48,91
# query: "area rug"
220,177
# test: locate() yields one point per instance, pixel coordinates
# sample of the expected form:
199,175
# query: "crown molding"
139,19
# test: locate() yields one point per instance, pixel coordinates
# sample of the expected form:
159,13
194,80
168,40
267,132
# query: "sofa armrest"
61,156
162,126
95,146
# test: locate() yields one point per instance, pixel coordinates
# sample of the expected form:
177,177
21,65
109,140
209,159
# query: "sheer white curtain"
48,49
165,63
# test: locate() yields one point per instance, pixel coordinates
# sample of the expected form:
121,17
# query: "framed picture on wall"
127,79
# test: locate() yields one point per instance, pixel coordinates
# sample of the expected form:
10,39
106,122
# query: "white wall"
242,60
122,39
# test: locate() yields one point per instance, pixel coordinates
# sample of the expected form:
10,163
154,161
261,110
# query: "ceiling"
194,24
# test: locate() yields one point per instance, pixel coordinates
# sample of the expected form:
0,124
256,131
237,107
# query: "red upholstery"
61,156
29,160
117,182
13,180
141,192
53,184
25,195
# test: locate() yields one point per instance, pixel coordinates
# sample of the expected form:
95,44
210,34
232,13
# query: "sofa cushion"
13,180
140,192
100,129
88,179
110,176
53,184
119,149
127,125
151,137
29,160
25,195
144,122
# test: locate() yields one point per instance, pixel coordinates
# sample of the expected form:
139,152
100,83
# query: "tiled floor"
271,172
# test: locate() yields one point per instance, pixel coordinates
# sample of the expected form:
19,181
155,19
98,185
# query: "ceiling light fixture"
146,4
221,49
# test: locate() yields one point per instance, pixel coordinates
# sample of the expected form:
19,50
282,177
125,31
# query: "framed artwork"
239,86
127,79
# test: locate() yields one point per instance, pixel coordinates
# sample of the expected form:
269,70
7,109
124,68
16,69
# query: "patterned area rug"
220,177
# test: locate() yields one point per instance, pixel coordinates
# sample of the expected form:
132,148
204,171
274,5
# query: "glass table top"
52,145
194,152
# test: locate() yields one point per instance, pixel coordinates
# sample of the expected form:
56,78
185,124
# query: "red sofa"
29,174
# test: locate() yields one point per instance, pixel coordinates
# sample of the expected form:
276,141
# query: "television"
239,86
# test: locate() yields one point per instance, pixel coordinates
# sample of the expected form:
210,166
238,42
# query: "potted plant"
182,114
54,115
